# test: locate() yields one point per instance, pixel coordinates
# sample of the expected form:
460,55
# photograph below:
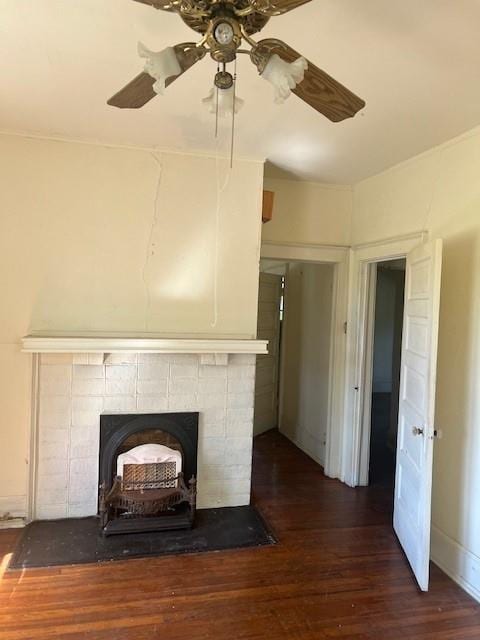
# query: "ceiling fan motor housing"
223,37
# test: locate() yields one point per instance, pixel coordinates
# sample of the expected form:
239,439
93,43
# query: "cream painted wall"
102,239
309,213
306,343
440,192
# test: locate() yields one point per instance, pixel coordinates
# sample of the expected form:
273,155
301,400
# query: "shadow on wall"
457,454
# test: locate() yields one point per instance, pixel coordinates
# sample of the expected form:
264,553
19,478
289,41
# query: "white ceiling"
415,62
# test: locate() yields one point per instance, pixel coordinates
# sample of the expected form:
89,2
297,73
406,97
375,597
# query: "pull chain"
233,112
216,106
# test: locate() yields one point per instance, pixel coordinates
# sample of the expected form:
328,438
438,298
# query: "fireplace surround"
73,389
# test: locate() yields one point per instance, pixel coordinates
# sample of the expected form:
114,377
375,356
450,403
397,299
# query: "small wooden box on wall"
267,206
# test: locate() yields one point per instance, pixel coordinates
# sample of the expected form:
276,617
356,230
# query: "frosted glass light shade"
284,76
161,65
225,102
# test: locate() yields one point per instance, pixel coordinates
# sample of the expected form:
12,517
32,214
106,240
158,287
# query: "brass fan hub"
251,23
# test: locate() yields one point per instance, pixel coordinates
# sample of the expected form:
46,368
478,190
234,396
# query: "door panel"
266,377
413,480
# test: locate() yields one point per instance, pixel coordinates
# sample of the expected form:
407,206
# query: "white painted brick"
212,371
241,371
52,495
88,371
82,509
54,436
242,358
152,404
225,435
120,371
154,358
85,387
239,429
80,358
211,451
210,486
217,359
80,492
239,415
212,385
182,402
235,500
84,442
185,386
55,379
241,385
210,429
240,400
51,511
95,358
184,358
213,414
120,387
238,451
211,401
236,472
120,358
153,370
48,450
183,370
55,411
210,473
152,387
56,358
54,481
209,501
237,487
84,467
52,466
86,411
119,404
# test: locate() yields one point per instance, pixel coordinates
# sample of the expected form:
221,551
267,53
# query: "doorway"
294,382
389,293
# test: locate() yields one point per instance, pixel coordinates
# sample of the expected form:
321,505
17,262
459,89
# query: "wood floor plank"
337,572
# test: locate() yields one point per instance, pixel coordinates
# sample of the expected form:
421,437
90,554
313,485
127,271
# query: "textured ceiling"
416,63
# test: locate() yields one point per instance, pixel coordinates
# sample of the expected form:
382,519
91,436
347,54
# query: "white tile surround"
74,389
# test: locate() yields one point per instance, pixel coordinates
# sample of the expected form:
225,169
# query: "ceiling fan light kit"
223,26
160,65
284,76
221,101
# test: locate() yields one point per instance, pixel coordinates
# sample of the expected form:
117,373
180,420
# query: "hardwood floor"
338,572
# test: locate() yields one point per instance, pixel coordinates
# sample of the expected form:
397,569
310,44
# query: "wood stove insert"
138,493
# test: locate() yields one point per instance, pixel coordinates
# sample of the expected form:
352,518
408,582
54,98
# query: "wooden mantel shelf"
42,344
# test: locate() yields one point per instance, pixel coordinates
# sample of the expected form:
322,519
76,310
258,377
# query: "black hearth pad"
47,543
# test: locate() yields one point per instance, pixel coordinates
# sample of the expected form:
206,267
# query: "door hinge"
345,325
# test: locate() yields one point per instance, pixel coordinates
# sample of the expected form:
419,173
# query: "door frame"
359,371
339,257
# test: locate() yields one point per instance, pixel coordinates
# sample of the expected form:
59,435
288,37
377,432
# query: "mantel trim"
41,344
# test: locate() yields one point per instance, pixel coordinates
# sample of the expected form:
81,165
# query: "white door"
413,481
266,375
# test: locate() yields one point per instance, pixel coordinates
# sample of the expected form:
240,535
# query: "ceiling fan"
224,25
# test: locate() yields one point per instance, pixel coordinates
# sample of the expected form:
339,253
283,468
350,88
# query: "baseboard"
12,511
303,448
457,562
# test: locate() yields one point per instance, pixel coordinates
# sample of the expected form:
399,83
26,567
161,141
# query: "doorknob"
417,431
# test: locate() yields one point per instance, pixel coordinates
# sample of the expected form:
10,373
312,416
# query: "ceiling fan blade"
318,89
140,90
165,5
275,7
